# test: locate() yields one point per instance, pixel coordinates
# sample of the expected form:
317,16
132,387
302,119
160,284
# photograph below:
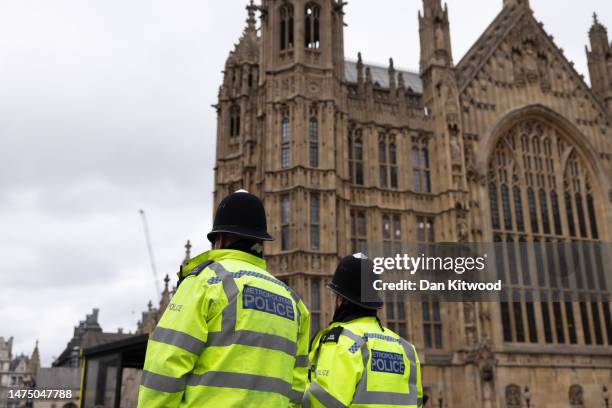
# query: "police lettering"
386,362
268,302
175,307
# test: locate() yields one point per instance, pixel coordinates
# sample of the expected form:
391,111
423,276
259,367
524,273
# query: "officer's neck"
254,248
350,311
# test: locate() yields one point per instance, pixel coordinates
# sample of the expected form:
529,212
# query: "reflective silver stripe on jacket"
324,397
295,396
365,397
178,339
162,383
302,361
251,338
229,335
412,379
252,382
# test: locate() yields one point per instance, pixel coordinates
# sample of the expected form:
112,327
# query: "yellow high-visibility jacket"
359,364
232,336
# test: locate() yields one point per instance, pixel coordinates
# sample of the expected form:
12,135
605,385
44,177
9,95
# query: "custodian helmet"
241,213
352,272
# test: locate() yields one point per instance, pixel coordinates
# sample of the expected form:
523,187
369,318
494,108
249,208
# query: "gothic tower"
441,103
281,116
302,114
237,146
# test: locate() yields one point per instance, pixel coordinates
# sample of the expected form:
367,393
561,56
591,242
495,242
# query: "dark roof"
15,362
55,378
88,339
92,339
131,350
380,76
128,342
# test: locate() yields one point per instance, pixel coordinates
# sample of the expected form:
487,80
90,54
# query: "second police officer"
233,336
356,362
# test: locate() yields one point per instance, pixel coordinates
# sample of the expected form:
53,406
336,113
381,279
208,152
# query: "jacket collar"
219,255
350,311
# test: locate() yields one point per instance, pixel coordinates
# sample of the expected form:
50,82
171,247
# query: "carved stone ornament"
462,230
529,56
576,396
462,224
316,263
455,144
513,396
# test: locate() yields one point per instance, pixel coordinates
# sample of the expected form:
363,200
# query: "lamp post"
527,396
606,396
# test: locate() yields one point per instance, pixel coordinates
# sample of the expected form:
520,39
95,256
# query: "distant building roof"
17,361
56,378
87,334
96,338
380,76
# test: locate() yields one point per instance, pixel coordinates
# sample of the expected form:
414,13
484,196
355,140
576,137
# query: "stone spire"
187,253
247,49
165,296
510,3
434,34
431,8
392,78
251,20
599,59
360,82
401,81
34,363
598,31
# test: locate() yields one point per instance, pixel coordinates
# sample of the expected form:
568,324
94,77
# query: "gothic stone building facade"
509,144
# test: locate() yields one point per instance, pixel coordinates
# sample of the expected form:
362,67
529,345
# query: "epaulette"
333,335
194,272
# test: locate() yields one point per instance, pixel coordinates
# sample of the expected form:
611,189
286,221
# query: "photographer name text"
425,285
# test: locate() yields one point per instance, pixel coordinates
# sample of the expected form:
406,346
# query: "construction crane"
145,226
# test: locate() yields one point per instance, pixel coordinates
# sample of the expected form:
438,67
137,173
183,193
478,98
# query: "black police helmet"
241,213
352,272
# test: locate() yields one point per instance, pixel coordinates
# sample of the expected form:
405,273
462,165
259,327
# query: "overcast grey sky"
105,109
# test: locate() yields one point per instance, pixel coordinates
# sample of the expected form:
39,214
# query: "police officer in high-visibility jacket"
356,362
233,335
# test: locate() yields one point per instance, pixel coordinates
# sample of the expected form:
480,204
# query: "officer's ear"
339,300
217,241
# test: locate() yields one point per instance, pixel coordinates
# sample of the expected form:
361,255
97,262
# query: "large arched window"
312,15
535,173
286,27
